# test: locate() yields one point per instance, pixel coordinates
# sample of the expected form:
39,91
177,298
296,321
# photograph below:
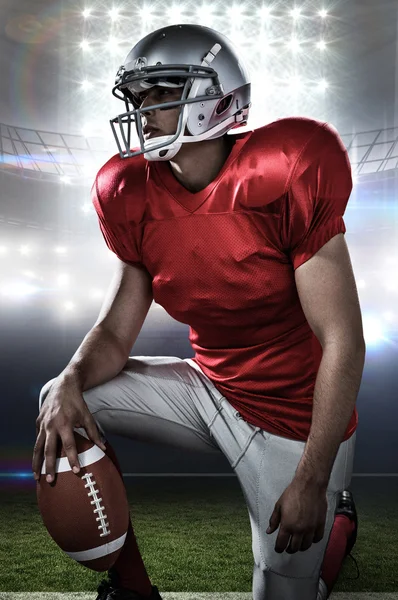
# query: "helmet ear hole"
224,104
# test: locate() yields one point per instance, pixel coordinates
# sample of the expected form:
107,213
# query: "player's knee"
44,391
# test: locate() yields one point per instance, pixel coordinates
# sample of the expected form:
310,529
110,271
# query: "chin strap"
174,147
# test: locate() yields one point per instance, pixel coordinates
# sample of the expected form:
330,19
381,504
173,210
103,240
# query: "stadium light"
86,13
69,305
114,14
86,85
25,250
323,85
373,329
294,44
323,13
63,280
85,45
146,14
295,12
264,12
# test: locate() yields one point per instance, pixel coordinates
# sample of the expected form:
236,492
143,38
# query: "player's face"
164,122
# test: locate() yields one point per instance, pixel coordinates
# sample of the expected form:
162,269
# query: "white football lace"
101,516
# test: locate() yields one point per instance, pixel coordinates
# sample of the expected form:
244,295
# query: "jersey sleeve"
317,195
117,234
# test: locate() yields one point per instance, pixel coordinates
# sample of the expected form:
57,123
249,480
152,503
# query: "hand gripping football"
86,514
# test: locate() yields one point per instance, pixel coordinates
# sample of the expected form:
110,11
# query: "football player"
241,236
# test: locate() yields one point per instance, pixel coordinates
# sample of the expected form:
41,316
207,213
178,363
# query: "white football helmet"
209,70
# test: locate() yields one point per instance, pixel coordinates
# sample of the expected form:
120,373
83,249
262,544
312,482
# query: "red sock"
129,569
335,550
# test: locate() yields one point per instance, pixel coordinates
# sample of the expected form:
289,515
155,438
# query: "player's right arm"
100,357
105,349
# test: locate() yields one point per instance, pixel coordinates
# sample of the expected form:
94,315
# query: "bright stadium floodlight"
146,13
63,280
3,250
25,250
295,12
65,179
114,13
85,45
264,12
69,305
373,329
321,45
323,85
86,85
60,250
323,13
86,13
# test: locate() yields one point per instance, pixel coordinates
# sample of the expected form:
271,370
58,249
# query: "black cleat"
346,506
107,592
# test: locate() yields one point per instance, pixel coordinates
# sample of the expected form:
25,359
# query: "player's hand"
300,513
63,409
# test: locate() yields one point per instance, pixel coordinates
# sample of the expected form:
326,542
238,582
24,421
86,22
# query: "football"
86,514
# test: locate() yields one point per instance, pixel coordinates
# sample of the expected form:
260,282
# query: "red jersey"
222,259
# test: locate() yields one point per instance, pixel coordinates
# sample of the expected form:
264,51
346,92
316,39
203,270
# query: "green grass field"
194,535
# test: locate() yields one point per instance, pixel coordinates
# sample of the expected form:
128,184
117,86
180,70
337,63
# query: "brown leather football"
86,514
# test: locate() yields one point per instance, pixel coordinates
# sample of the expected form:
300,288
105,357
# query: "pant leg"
265,467
153,399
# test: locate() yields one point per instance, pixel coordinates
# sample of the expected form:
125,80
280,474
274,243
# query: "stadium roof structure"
31,153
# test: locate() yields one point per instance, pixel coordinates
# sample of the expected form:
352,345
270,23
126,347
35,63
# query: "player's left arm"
328,295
